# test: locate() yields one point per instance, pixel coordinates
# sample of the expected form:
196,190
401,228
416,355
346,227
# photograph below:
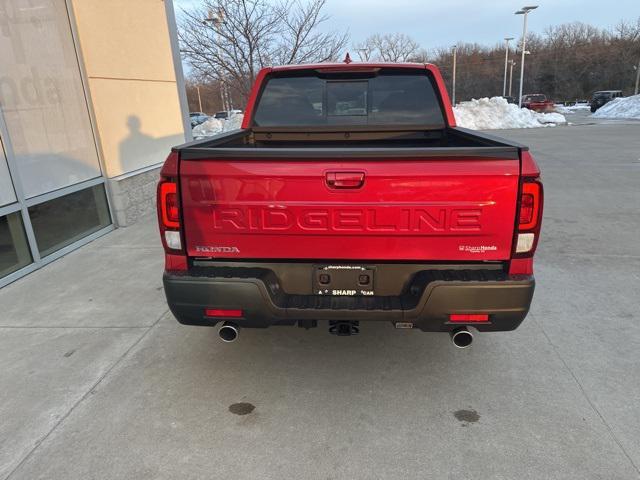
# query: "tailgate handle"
345,179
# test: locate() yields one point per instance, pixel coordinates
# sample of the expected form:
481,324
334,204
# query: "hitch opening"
344,328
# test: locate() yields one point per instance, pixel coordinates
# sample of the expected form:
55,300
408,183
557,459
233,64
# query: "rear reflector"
173,239
175,263
469,317
525,242
213,312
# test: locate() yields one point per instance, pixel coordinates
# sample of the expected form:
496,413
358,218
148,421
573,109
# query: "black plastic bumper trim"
427,302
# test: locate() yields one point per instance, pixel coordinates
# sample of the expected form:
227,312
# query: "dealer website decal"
477,248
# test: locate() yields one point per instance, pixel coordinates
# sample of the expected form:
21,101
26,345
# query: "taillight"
529,205
169,215
168,200
529,217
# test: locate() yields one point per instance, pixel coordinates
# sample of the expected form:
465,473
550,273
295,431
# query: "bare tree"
205,96
395,47
628,30
366,50
567,62
229,41
419,56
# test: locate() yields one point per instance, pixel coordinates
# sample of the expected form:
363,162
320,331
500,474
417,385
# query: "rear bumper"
427,302
542,108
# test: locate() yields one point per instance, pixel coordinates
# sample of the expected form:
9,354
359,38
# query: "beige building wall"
129,62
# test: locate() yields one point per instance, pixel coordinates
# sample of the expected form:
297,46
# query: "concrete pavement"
99,382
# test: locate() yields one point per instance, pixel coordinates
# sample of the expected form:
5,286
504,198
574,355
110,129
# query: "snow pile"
627,107
214,126
233,123
496,112
571,108
208,128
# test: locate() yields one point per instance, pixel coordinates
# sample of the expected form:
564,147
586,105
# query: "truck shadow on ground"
292,361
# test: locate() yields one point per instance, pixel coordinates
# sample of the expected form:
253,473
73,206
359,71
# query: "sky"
438,23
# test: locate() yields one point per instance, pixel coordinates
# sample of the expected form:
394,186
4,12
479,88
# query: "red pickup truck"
349,195
538,103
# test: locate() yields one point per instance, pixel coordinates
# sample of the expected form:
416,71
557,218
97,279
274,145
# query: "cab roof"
350,66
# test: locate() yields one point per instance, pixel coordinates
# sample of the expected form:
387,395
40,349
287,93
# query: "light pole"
199,99
511,64
453,88
506,61
216,19
637,77
523,11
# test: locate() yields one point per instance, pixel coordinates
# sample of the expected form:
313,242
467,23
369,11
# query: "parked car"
225,114
197,118
603,97
384,211
510,99
537,102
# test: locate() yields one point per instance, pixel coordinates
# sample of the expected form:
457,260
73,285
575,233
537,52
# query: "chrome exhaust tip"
229,332
461,337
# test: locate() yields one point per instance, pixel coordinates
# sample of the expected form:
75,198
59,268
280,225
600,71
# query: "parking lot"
98,381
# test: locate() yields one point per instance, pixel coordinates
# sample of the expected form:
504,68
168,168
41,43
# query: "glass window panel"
14,249
42,97
346,98
7,194
291,101
391,96
64,220
404,99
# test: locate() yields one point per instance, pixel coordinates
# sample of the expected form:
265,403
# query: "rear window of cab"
383,97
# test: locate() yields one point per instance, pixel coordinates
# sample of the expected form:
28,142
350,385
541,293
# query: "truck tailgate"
428,209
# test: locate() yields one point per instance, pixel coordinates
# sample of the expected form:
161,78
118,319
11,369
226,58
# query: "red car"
350,196
538,103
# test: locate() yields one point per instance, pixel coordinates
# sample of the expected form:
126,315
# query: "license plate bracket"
343,280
